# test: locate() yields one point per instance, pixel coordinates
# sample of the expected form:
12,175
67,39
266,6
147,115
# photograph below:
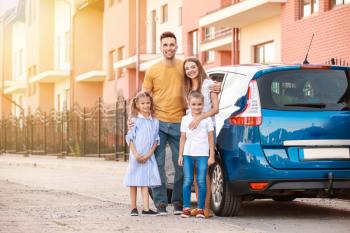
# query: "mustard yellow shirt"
165,83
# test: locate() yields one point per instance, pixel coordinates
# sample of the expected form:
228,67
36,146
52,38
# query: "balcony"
92,76
130,62
50,76
242,13
15,86
220,40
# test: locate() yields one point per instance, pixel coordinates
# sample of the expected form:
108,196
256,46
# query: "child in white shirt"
196,148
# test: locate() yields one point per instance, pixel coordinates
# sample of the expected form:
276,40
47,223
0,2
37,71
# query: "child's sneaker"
186,213
134,212
200,213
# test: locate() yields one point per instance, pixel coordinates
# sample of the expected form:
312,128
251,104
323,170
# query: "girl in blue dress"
142,139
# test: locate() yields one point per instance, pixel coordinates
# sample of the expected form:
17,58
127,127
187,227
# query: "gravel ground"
78,195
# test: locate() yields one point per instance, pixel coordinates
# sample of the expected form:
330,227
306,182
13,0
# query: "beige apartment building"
88,73
13,83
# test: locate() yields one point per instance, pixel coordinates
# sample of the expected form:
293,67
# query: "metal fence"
97,131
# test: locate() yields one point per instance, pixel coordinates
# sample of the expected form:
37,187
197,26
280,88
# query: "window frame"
111,60
164,13
194,47
262,45
334,4
312,10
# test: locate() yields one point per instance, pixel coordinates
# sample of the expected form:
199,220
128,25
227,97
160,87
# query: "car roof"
251,69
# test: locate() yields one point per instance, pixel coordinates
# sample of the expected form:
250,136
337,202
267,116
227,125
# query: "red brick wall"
330,26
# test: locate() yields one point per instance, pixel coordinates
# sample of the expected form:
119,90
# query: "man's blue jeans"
168,133
201,163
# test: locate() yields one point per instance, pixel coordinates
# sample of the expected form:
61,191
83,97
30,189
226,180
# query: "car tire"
284,198
169,193
223,202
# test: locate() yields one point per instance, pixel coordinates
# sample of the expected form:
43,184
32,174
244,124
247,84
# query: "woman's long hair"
201,73
133,108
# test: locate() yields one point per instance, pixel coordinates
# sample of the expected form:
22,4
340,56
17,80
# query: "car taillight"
251,115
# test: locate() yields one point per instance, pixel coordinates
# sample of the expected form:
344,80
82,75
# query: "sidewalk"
92,177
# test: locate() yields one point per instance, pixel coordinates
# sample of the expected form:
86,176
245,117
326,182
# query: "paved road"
45,194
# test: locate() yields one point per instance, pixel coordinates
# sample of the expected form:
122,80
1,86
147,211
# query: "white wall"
171,25
18,47
261,32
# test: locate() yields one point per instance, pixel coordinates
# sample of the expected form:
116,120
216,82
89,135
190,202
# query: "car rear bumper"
332,187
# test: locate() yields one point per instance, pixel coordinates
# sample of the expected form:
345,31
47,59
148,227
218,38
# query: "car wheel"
169,193
223,203
284,198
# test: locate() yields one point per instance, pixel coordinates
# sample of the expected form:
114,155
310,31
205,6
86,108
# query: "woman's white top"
207,100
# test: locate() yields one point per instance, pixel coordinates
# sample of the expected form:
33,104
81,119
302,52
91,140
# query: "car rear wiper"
318,105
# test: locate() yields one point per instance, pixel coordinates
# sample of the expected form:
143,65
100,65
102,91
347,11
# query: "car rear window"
311,90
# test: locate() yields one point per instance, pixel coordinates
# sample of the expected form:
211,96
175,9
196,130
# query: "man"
165,81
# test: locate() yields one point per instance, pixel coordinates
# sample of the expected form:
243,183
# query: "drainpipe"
137,45
235,46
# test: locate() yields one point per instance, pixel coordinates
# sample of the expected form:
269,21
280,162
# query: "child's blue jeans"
201,163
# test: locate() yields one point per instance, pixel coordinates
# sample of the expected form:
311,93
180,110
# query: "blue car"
283,132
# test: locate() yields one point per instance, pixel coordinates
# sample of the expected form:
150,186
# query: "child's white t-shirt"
197,143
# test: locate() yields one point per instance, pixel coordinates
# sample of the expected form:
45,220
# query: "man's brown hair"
166,35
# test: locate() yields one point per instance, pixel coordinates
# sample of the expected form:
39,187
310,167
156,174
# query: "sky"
6,4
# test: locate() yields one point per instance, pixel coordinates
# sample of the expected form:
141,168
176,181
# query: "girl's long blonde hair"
133,108
201,73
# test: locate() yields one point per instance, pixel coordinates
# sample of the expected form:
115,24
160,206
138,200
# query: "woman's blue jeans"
201,163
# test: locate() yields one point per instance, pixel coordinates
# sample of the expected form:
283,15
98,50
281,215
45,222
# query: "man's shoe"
149,213
186,213
134,212
161,209
177,209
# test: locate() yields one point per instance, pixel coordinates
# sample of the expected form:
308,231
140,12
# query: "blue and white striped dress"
144,134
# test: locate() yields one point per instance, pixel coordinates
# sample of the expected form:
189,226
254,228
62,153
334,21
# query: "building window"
121,55
67,46
32,73
209,56
154,31
309,7
66,101
32,12
209,33
58,102
20,62
194,43
264,53
180,16
58,53
340,2
111,59
164,13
